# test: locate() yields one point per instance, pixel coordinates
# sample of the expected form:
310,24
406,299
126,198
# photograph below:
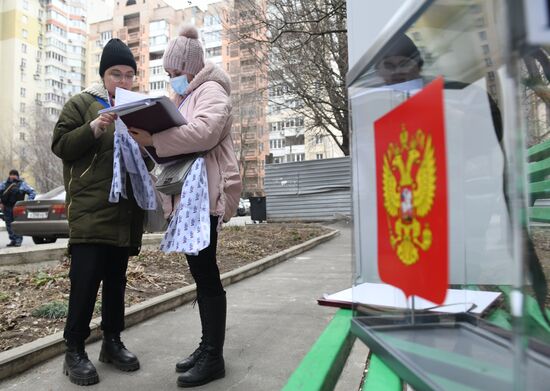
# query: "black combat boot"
188,363
113,351
210,364
77,366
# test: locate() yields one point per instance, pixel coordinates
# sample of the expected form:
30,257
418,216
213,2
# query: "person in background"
12,190
401,62
102,234
202,95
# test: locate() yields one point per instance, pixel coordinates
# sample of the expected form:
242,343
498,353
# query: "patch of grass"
4,296
42,278
52,310
97,307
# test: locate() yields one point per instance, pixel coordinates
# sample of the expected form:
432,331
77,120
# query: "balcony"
133,37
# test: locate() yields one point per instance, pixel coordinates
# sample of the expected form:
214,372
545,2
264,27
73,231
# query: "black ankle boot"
78,367
113,351
210,364
189,362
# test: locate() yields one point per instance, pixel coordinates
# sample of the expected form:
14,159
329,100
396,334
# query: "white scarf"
127,159
189,229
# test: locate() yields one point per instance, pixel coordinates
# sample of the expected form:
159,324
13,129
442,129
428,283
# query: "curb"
51,252
21,358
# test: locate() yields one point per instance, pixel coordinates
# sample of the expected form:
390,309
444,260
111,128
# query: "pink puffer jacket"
207,109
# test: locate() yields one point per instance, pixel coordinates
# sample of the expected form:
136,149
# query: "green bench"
323,364
320,369
538,169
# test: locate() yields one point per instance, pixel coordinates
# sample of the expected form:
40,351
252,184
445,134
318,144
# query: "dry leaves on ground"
26,298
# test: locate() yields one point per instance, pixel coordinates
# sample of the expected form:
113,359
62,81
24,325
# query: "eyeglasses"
117,77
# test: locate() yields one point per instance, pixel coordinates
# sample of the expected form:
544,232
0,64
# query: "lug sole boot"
78,367
210,364
187,363
114,352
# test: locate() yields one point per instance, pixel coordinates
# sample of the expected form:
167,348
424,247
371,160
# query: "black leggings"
91,264
204,268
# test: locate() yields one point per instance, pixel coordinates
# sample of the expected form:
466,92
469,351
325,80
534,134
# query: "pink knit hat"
185,52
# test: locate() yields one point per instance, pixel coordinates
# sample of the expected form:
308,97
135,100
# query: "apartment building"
249,96
45,42
146,27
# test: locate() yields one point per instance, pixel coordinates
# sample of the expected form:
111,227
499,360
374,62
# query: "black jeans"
91,264
204,267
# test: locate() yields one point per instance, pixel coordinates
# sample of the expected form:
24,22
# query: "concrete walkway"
273,320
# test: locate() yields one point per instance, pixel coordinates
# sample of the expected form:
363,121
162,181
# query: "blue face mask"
179,84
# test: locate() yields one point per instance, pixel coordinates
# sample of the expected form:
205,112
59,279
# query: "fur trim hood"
98,90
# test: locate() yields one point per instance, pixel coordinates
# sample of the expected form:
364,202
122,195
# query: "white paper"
384,295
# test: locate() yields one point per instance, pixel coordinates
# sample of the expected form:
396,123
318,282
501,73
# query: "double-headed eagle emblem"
408,185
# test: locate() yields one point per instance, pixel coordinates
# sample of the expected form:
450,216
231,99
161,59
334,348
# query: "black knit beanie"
14,172
114,53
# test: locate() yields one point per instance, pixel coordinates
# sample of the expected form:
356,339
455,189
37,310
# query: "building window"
485,49
22,107
23,92
23,48
319,156
214,52
25,33
25,4
105,36
483,35
157,85
318,139
491,75
488,62
22,136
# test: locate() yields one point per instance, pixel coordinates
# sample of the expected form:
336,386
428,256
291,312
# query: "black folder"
151,114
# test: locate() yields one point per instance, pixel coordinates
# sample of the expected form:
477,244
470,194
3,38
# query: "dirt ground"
23,317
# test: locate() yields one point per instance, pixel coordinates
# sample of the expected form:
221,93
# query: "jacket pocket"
90,166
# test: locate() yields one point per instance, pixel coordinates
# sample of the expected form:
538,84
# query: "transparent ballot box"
450,122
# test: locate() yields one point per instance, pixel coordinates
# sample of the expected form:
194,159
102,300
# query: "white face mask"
179,84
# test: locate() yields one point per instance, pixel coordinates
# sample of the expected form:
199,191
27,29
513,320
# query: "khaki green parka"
87,174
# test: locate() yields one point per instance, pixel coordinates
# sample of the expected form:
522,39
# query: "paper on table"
383,295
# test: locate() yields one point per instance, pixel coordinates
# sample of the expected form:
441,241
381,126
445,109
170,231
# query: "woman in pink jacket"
202,95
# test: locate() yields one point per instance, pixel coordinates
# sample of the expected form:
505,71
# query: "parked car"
44,218
244,207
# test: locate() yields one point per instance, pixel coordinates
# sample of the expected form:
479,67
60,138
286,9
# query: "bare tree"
304,43
35,154
536,94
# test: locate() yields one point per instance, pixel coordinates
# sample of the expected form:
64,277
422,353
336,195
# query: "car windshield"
56,194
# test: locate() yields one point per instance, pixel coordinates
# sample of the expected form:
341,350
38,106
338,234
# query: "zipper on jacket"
71,201
89,167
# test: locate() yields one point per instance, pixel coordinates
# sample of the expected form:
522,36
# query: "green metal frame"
323,364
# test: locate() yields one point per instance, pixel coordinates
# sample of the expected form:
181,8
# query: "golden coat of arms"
408,181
